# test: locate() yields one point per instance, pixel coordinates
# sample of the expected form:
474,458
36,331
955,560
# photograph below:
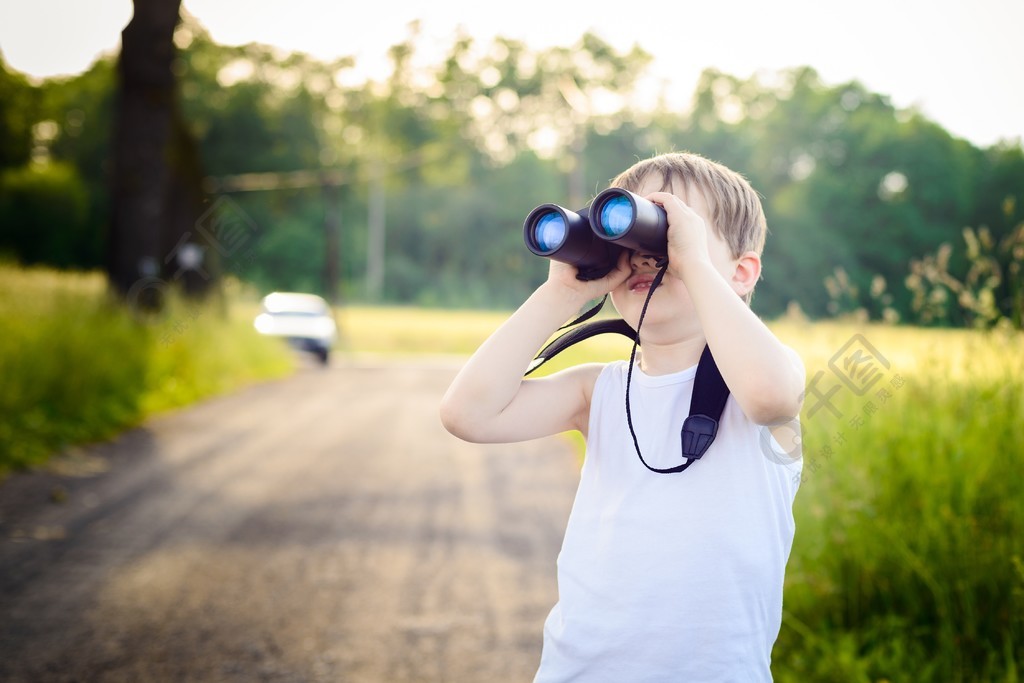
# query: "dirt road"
320,528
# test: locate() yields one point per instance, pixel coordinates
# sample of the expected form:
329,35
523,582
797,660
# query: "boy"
661,577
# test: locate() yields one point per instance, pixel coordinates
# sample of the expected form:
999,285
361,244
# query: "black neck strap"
707,401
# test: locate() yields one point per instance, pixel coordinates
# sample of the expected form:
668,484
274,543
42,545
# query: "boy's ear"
747,273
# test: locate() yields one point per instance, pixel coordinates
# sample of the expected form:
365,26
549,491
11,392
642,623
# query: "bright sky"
959,61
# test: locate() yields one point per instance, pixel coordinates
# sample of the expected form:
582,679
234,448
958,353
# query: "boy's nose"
638,260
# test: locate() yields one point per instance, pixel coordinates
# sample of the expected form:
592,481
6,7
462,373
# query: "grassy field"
908,563
77,367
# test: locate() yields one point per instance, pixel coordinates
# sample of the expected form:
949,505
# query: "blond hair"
736,213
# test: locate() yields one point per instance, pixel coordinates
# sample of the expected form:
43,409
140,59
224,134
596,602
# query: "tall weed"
907,563
76,366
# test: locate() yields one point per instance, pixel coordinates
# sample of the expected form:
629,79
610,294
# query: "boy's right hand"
563,276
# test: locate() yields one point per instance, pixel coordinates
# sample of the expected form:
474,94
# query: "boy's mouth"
641,282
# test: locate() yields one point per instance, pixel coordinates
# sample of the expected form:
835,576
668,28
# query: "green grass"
908,562
368,330
78,367
401,330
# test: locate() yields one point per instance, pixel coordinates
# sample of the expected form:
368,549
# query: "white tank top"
670,577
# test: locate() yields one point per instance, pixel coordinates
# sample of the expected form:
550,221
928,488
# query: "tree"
155,161
17,109
80,111
454,154
44,211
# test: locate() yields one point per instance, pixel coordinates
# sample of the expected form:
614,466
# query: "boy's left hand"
687,232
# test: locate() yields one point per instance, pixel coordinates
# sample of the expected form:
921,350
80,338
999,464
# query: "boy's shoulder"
587,374
584,376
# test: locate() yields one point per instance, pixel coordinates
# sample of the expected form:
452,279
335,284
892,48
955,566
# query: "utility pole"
375,243
332,232
580,112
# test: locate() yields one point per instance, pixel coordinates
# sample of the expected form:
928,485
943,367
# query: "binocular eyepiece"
591,239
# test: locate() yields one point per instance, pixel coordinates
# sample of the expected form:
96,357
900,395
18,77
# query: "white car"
305,320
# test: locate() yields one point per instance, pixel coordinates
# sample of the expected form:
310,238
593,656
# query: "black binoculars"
592,238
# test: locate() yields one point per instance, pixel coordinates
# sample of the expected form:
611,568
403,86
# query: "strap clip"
698,433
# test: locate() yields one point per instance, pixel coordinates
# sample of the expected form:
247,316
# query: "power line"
321,177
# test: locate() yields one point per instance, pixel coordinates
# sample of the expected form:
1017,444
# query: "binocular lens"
549,231
592,238
616,216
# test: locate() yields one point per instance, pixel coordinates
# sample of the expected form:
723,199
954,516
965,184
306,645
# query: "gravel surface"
320,528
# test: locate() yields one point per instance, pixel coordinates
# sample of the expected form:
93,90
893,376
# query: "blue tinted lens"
616,216
549,231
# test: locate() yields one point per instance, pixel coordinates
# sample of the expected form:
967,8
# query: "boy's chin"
660,316
661,310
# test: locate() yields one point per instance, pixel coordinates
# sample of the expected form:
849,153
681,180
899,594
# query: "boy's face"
670,302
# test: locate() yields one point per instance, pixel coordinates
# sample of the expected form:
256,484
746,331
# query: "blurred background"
164,165
388,155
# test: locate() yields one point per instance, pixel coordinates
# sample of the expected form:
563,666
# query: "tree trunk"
147,153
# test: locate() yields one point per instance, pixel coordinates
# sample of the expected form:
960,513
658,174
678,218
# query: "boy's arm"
490,402
764,376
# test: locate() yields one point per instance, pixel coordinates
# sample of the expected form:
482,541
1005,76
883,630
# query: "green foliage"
54,210
18,111
907,563
283,253
455,241
989,292
45,209
77,367
463,148
848,180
